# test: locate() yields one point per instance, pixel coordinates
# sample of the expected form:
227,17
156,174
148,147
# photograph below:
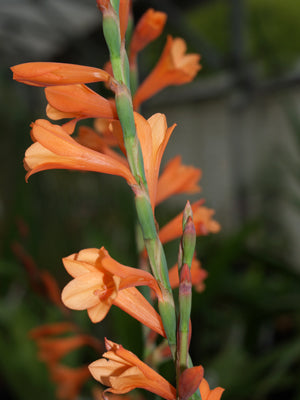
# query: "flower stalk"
120,66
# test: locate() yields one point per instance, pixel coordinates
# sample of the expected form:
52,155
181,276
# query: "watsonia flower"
148,28
122,371
56,74
174,67
100,282
55,149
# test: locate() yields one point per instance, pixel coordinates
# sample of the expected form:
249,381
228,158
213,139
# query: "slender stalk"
120,66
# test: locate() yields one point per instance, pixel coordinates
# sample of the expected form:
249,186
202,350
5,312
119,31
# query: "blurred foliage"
271,29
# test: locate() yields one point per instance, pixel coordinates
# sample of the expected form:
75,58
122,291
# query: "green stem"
120,66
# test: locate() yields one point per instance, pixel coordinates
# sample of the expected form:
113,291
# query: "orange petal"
207,394
52,329
78,101
134,303
148,28
122,371
69,381
81,292
124,10
177,178
50,73
173,68
130,276
89,138
153,135
189,381
56,149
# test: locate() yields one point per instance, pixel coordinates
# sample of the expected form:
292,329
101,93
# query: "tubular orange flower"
89,138
56,149
198,275
51,350
50,73
78,101
154,135
124,10
100,281
148,28
52,347
202,217
69,381
207,394
177,178
173,68
122,371
52,329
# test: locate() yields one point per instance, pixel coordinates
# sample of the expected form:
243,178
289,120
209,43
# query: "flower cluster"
123,143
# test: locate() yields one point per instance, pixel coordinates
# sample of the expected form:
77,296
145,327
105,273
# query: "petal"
80,263
50,73
130,276
177,178
64,152
79,101
148,28
173,68
52,329
134,303
79,294
98,312
189,381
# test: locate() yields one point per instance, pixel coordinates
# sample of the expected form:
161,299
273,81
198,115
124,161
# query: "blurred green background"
246,324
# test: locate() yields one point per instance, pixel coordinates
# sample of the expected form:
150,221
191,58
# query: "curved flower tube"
148,28
174,67
51,73
153,135
100,282
55,149
123,371
78,101
177,178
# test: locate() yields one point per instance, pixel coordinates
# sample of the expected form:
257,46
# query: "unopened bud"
188,241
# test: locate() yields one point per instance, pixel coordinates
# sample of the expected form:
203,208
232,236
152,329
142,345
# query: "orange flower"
124,10
207,394
177,178
202,217
54,148
89,138
198,275
122,371
154,135
69,380
53,348
53,74
78,101
148,28
100,281
173,68
52,329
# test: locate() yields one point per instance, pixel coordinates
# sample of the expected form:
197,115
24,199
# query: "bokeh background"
239,122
